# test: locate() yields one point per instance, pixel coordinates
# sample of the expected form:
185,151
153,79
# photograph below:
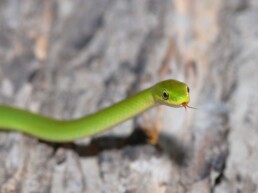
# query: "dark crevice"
142,59
85,40
219,178
33,75
219,165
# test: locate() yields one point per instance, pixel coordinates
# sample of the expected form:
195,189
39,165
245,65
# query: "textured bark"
72,57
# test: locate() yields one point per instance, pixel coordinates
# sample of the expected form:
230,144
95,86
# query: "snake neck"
115,114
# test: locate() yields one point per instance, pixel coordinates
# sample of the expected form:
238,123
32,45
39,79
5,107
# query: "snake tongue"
185,105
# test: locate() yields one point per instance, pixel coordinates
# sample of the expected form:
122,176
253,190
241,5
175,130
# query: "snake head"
172,93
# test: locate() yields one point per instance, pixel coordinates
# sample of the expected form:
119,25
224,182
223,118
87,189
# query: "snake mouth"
185,105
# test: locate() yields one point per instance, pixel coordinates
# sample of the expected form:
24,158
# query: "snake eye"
165,95
188,89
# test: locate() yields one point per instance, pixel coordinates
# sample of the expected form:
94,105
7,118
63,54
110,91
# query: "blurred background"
67,58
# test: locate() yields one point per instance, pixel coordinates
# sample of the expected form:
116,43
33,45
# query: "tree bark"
69,58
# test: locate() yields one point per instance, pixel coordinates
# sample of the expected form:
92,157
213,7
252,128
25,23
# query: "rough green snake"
169,92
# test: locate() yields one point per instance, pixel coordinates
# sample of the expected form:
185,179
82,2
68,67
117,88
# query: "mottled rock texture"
67,58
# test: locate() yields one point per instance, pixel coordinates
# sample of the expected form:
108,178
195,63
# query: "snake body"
169,92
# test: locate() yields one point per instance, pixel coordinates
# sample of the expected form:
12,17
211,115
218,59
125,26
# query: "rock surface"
72,57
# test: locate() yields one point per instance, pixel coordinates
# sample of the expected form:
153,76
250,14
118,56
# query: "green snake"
169,92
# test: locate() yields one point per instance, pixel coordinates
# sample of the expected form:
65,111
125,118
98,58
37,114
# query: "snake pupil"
188,89
165,95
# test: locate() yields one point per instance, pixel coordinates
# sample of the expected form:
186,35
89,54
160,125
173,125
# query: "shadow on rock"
169,145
